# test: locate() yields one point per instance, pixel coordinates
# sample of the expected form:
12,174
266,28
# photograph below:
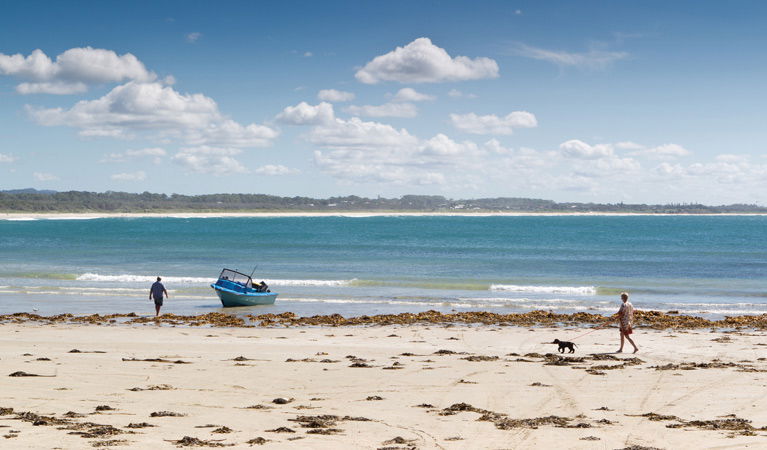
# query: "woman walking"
626,320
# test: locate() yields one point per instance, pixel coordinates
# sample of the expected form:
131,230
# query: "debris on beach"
155,387
166,414
258,407
257,441
24,374
650,319
476,358
156,360
400,441
188,441
282,400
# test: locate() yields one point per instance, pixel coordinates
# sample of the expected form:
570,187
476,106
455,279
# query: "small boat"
237,289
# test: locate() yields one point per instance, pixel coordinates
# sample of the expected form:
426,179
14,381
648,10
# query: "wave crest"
126,278
582,290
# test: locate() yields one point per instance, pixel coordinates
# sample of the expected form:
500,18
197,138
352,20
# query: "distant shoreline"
211,215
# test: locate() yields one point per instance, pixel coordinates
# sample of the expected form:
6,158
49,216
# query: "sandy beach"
394,386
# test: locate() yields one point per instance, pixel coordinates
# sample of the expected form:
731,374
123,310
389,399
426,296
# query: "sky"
635,102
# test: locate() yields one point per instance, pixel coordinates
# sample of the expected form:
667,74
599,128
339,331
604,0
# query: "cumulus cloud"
410,95
153,153
592,59
4,158
228,133
385,110
356,134
132,176
73,71
492,124
334,96
362,152
210,160
159,110
275,170
43,176
423,62
306,114
581,150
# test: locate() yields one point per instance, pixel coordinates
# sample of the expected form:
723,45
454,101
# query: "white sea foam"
141,278
127,278
310,282
579,290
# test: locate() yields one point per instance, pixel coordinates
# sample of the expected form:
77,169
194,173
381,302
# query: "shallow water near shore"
710,266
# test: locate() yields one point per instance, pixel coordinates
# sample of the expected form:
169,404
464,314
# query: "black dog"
563,345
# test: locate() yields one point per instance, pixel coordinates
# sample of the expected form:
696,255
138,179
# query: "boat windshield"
237,277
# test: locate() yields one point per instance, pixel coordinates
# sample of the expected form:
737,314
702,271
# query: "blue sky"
572,101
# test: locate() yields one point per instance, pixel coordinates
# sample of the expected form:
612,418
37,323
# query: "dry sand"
379,386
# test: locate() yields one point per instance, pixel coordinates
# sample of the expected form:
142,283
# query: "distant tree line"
29,200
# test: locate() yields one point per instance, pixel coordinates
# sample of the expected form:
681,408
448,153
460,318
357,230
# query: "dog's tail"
575,344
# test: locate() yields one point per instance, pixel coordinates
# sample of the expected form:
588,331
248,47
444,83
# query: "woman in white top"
626,320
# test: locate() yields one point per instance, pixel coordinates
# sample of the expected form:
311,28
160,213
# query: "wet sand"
424,385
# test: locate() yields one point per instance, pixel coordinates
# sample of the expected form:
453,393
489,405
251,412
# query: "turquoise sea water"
703,265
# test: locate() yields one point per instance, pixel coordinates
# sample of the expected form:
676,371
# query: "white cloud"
669,170
193,37
385,110
158,110
492,124
593,59
73,71
333,96
355,134
210,160
423,62
4,158
581,150
306,114
276,170
410,95
356,151
153,153
667,151
42,176
455,93
132,176
308,54
228,133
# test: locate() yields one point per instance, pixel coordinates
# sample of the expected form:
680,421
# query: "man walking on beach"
156,292
626,320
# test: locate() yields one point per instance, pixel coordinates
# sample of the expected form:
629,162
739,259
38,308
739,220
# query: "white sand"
214,390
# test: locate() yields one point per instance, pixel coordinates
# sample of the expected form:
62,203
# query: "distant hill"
28,191
32,200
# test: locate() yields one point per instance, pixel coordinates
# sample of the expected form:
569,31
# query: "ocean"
709,266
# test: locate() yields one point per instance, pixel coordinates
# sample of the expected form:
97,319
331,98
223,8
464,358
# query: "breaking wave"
125,278
581,290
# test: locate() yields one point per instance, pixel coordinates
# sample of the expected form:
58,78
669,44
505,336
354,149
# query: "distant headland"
44,202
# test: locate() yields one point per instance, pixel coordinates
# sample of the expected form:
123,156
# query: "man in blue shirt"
156,292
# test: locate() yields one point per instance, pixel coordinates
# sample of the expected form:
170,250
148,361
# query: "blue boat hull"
231,298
